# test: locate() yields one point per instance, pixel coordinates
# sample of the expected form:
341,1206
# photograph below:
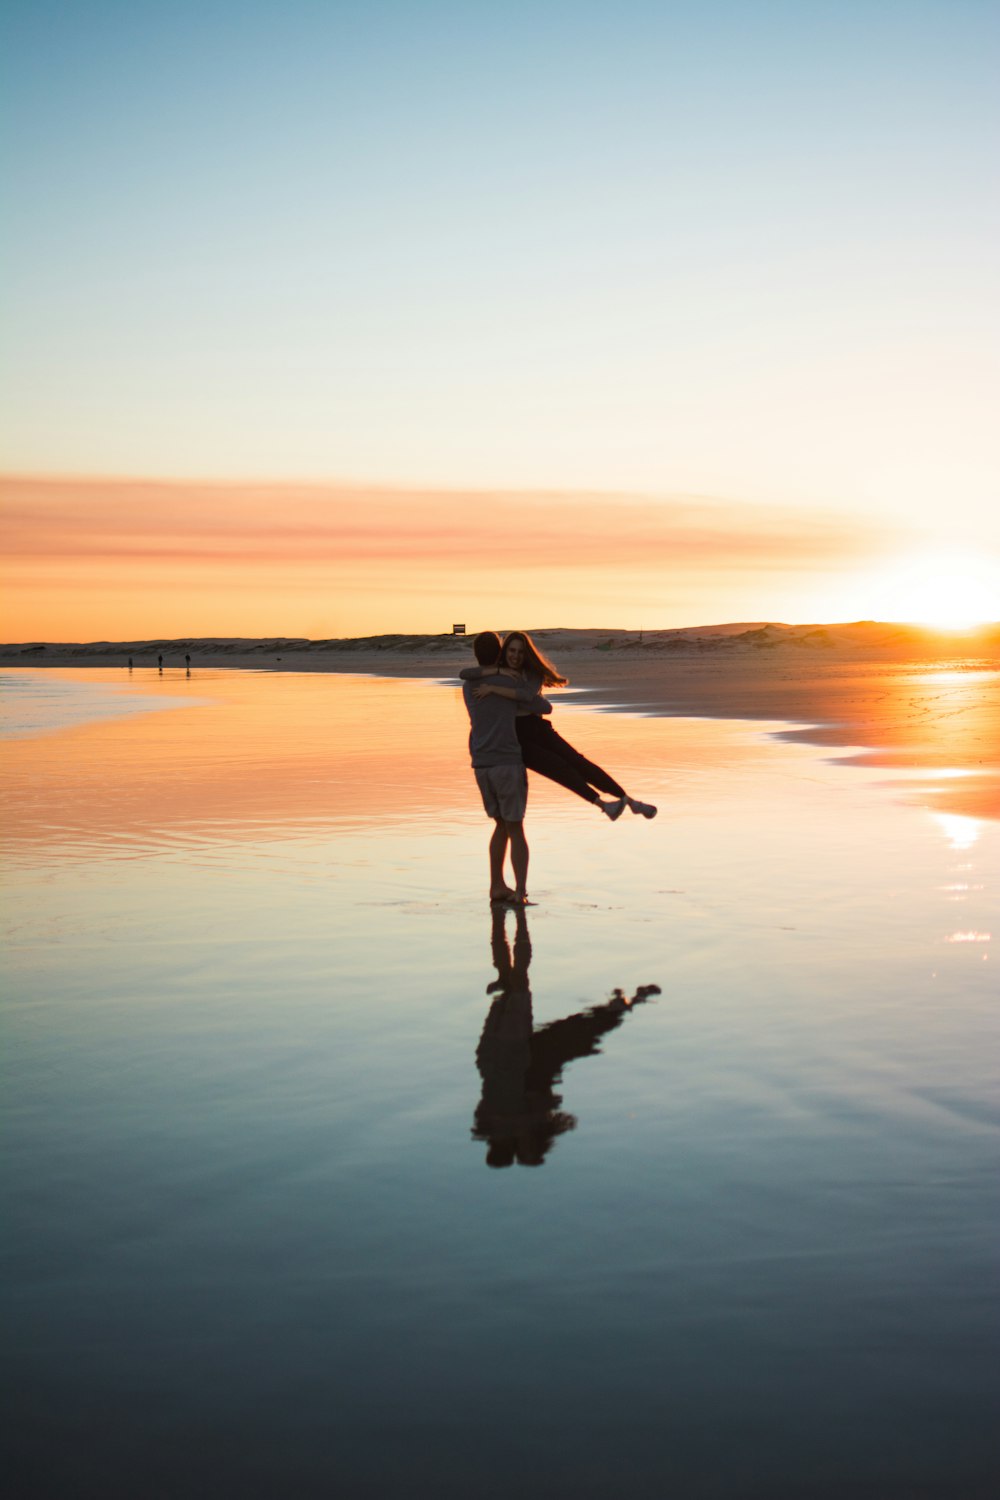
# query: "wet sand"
910,700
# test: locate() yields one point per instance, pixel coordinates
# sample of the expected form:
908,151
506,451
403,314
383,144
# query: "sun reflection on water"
961,832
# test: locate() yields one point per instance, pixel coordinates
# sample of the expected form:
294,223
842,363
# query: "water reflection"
939,728
519,1114
961,832
251,753
277,1295
284,756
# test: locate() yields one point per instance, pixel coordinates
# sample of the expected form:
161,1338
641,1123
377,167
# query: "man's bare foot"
503,894
522,899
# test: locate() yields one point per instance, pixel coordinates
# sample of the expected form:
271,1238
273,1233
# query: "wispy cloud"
87,558
227,526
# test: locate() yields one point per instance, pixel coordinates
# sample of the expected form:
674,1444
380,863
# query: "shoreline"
598,656
901,697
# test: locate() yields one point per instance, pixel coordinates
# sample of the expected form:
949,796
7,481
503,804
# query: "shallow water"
745,1242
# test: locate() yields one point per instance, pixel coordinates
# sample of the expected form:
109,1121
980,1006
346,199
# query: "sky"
615,277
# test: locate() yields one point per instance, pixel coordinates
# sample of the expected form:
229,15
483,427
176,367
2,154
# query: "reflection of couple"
518,1115
510,735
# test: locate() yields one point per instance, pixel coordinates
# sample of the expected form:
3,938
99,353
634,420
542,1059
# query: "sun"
946,592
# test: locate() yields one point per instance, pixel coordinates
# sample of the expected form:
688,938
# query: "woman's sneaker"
644,809
613,810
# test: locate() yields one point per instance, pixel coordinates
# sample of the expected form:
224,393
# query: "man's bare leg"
519,860
499,889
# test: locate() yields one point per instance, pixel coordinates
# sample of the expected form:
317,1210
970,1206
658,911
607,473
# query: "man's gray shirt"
493,737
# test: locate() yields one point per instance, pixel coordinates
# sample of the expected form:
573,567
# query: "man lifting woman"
543,750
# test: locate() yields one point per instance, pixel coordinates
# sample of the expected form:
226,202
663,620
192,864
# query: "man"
498,766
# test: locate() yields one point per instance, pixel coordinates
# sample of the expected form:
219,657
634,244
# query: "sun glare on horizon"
949,592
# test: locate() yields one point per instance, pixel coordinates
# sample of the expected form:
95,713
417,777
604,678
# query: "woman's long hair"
535,661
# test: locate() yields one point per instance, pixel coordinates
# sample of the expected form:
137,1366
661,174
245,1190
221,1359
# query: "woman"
543,750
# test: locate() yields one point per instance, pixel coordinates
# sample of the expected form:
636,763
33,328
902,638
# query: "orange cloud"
226,522
269,558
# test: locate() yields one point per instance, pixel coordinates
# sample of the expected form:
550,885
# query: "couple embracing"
510,735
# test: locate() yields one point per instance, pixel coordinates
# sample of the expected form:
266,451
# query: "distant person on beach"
519,1115
543,750
187,660
160,661
498,766
130,663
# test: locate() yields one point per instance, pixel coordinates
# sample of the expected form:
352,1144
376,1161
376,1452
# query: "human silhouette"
499,769
542,749
160,661
519,1114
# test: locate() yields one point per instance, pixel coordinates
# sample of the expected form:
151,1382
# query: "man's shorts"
504,790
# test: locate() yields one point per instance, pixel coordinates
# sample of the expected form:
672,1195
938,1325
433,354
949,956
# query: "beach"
900,697
317,1166
410,1087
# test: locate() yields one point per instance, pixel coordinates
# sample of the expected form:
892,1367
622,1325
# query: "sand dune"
878,641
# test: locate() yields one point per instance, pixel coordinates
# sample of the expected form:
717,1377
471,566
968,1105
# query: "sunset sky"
329,318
